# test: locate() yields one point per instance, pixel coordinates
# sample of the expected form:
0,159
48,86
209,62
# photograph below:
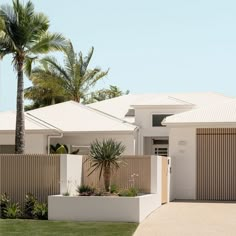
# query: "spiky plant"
105,156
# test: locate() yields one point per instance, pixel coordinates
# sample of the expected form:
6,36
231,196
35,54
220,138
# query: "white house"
198,131
202,143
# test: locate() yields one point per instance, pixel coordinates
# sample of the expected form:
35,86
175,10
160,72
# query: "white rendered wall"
70,173
34,143
143,118
182,150
94,208
85,140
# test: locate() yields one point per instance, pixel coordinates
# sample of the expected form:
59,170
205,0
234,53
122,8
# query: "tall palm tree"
24,34
105,156
72,80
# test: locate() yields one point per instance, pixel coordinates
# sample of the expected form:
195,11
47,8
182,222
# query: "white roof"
223,113
8,123
74,117
119,106
159,100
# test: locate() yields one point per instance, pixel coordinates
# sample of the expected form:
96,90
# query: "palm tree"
24,34
105,156
46,89
103,94
72,80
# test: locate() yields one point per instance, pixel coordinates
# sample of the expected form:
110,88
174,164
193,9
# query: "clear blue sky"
150,46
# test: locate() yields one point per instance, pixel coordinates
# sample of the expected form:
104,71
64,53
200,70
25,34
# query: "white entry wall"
182,150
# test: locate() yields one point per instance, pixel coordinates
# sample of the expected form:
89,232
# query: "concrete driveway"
191,219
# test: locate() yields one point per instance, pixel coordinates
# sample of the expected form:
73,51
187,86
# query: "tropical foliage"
53,83
12,211
105,156
24,34
103,94
61,149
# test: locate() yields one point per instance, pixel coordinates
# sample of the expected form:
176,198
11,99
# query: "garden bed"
102,208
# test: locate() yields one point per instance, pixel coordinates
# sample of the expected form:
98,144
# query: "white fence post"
70,173
156,176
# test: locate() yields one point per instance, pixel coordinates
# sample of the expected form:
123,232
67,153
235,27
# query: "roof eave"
163,106
100,132
200,124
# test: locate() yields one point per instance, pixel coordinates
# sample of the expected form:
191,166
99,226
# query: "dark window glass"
160,141
157,119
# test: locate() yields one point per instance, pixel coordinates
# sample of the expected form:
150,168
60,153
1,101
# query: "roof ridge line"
177,99
31,117
104,114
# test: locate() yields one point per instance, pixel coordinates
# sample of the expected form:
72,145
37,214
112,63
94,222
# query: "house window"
160,141
157,119
7,149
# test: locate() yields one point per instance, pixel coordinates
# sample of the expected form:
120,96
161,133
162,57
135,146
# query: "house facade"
197,130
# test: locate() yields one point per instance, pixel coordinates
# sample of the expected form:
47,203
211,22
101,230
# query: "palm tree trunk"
107,178
20,119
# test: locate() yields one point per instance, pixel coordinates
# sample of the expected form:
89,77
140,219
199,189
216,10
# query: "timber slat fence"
37,174
138,165
40,175
216,164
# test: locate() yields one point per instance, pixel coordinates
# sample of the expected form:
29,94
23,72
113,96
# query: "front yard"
36,228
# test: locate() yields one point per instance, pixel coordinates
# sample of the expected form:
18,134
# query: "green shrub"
85,190
66,194
30,201
114,188
4,202
131,192
12,211
40,211
61,149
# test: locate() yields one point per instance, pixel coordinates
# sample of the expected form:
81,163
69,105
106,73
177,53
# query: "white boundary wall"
70,173
101,208
182,149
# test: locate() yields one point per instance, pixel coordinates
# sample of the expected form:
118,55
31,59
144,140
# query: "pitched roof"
117,107
223,113
160,100
8,123
120,106
74,117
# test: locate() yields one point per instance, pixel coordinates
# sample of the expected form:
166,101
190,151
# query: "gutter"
137,138
53,136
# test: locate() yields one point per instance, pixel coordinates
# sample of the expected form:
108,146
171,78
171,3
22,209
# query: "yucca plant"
105,156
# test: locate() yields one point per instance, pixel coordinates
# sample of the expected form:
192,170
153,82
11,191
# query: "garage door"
216,164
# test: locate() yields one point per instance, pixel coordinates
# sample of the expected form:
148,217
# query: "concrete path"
190,219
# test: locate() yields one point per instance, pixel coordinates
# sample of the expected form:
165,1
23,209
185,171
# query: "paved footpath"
190,219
